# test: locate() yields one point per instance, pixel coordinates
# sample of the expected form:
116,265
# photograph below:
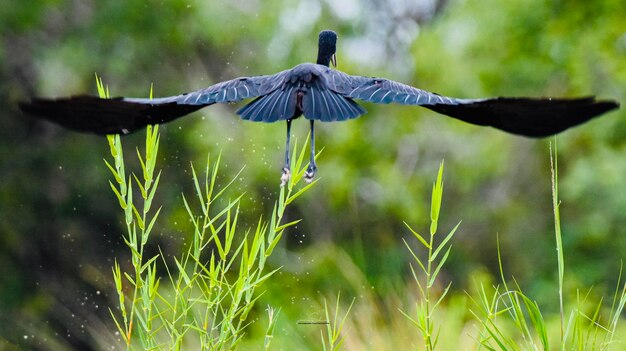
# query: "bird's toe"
310,173
284,178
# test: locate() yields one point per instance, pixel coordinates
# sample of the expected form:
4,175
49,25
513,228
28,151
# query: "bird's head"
326,48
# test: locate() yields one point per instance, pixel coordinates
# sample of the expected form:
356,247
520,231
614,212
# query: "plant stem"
557,231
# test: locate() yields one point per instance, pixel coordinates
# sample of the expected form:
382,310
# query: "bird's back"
304,90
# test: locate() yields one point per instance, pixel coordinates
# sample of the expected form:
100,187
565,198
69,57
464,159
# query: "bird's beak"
333,60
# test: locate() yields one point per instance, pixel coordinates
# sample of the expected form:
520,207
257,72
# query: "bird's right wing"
225,92
533,117
92,114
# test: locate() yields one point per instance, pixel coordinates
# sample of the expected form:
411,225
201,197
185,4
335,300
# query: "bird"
319,93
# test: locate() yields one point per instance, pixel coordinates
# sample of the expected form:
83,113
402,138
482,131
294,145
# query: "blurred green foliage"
59,231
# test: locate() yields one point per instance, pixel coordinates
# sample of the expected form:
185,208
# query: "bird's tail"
323,104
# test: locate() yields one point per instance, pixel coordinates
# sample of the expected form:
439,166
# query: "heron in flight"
319,93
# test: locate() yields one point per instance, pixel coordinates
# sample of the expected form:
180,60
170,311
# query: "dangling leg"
310,172
284,178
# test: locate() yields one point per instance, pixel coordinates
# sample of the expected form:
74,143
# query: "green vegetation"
426,306
207,301
213,285
62,232
208,293
578,331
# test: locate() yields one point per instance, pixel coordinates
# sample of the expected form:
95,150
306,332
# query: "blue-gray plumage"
319,93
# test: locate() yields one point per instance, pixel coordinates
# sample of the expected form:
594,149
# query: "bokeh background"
61,230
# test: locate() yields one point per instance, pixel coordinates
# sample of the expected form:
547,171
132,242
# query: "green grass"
208,290
427,314
334,338
528,329
204,297
430,268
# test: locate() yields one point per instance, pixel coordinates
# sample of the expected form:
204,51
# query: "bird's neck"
323,60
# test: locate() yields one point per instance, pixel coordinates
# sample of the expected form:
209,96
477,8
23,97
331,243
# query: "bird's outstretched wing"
533,117
87,113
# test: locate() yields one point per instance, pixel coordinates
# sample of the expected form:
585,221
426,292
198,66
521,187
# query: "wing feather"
533,117
125,115
329,97
278,105
224,92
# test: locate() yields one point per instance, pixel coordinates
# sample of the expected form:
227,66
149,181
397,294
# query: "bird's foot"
310,173
284,178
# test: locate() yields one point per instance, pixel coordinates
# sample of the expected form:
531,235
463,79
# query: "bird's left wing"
533,117
383,91
92,114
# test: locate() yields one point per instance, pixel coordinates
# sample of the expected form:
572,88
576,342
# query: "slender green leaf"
301,191
116,175
437,195
287,225
128,211
444,242
138,218
144,195
418,236
415,258
442,297
441,263
119,196
273,243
